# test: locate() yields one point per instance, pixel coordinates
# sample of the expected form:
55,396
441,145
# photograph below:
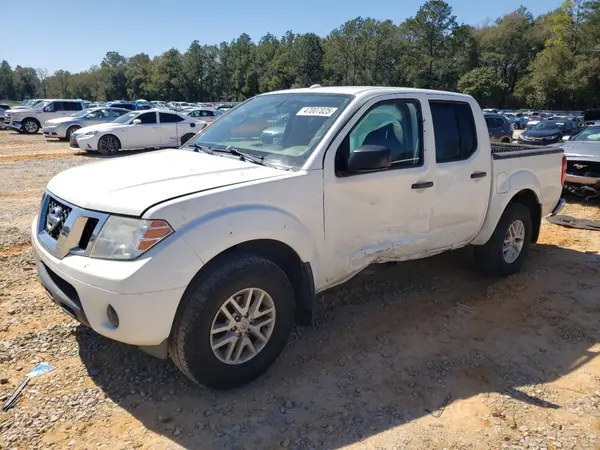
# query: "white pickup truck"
30,119
210,253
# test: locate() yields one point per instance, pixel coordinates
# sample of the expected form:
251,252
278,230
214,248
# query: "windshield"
256,127
126,117
38,104
549,126
589,134
82,113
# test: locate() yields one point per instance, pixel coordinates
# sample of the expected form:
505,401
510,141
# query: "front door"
379,216
169,129
147,134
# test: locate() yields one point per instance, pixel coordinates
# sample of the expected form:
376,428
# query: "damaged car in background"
583,163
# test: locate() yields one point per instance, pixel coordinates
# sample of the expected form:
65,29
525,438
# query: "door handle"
422,185
476,175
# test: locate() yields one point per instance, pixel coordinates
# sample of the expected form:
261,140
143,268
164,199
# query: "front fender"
506,189
211,234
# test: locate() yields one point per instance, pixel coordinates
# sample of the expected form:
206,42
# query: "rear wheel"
31,126
186,137
507,249
108,145
233,322
70,131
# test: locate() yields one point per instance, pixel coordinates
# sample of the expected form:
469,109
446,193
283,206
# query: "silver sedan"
63,127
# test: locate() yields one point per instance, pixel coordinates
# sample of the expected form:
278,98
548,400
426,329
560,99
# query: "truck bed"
506,151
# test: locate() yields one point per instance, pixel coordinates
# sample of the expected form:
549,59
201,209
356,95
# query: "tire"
70,131
491,256
108,145
190,344
31,126
186,137
505,140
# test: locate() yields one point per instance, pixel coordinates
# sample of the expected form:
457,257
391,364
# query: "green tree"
7,84
26,82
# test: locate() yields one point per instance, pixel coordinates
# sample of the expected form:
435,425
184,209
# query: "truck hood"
131,184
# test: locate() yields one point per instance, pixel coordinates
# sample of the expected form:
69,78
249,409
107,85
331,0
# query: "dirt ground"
424,355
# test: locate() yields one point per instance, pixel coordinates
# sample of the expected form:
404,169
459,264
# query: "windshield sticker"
318,111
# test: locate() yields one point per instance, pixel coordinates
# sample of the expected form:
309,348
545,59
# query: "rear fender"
505,191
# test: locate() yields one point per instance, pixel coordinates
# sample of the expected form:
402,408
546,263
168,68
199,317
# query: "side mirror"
136,121
368,158
566,137
47,109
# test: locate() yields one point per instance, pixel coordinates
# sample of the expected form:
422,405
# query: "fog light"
112,315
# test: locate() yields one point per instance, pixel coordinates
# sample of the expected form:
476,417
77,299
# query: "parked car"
30,120
138,129
583,162
207,114
210,252
500,129
548,132
3,109
124,105
63,127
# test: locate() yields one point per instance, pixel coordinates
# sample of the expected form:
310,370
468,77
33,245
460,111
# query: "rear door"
462,173
169,131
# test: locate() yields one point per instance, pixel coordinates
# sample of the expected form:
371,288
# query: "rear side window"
75,106
169,118
494,122
454,129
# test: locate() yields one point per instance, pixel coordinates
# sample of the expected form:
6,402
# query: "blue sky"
74,34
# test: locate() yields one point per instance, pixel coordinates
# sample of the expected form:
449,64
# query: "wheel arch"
34,119
300,273
110,134
529,199
526,196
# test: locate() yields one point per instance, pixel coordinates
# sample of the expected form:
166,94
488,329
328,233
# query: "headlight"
88,133
125,238
550,138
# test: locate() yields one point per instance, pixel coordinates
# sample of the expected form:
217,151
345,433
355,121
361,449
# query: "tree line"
549,61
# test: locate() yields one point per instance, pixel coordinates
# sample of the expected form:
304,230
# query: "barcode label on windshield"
319,111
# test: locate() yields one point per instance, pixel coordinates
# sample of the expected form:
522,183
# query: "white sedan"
154,128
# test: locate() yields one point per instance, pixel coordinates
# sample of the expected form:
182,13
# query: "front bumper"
84,142
14,124
142,292
54,132
582,180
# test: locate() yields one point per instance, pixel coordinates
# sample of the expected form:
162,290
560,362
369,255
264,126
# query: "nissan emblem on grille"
54,219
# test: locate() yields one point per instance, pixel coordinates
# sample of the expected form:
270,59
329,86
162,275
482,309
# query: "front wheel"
30,126
233,322
108,145
507,249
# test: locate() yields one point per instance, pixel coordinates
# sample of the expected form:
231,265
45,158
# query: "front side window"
251,127
395,125
126,118
53,107
148,118
454,131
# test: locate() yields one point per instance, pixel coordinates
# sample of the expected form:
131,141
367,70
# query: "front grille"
583,168
56,216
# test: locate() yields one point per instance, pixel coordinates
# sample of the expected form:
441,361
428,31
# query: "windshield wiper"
242,155
202,148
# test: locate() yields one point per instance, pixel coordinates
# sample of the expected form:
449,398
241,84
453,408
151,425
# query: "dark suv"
499,127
